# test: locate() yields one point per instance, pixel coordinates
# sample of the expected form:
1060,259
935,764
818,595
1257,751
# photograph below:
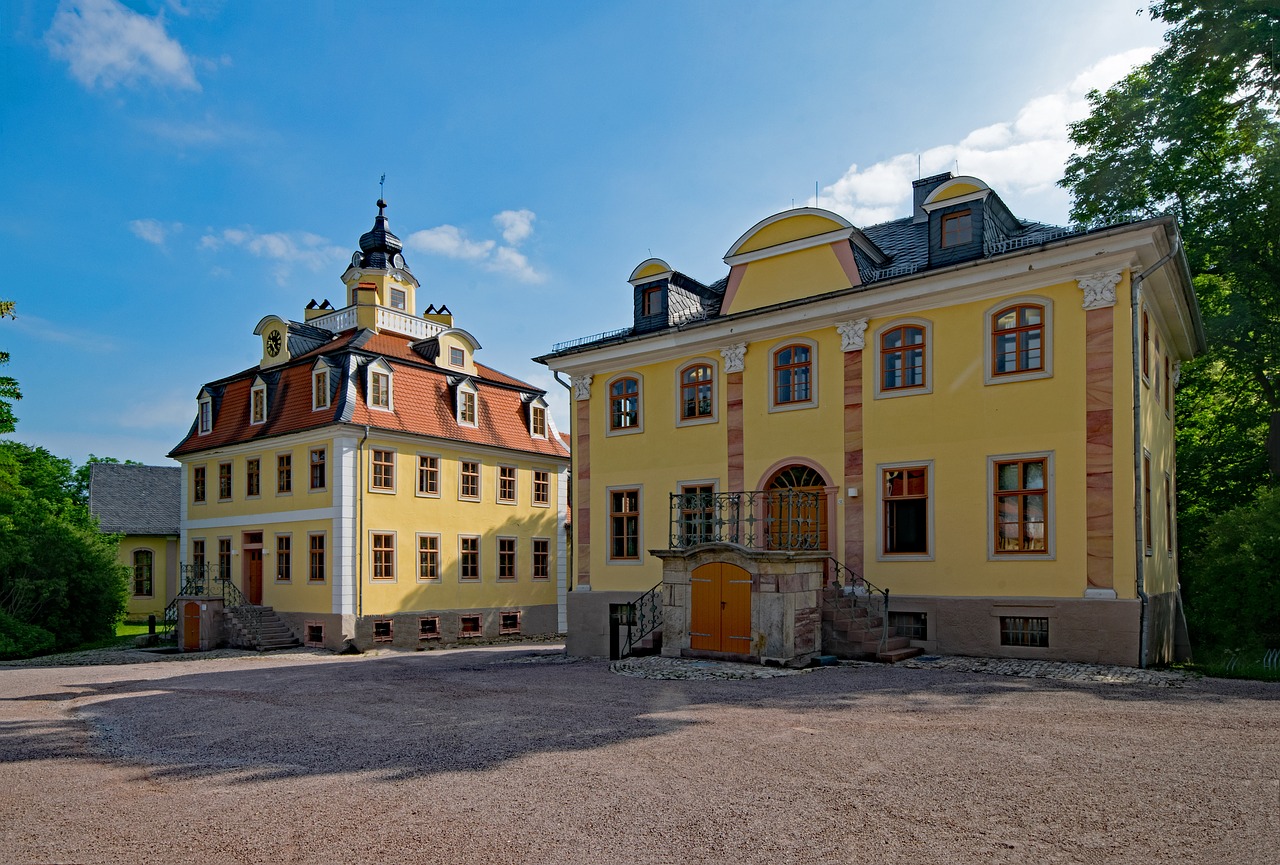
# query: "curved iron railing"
204,580
872,598
760,519
643,617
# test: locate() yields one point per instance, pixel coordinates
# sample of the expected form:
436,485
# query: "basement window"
469,626
913,626
1028,631
429,628
315,634
382,631
509,623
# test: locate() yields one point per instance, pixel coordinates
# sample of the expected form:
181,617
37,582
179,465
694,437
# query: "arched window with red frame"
697,392
624,404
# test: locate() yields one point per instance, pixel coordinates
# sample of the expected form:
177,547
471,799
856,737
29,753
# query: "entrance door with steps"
720,609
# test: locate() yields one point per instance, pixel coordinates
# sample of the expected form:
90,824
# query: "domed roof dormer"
378,246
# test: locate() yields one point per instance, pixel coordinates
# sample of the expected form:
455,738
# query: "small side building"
143,504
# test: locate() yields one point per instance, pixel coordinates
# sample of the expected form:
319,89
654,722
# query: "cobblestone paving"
655,667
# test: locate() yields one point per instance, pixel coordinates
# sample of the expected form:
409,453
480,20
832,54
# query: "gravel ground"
514,754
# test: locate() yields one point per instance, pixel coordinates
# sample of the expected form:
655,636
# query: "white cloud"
205,132
1023,155
107,44
452,242
516,225
283,249
172,411
153,230
93,341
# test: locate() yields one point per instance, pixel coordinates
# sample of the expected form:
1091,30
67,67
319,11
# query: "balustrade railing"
873,599
761,519
204,579
643,616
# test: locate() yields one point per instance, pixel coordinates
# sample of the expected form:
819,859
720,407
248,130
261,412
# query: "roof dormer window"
378,393
957,228
467,400
206,415
319,387
651,301
258,403
457,357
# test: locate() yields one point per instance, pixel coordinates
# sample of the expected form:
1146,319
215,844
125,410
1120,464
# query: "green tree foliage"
9,390
60,583
1239,600
1195,133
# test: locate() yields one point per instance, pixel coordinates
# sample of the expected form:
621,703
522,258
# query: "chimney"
920,191
439,316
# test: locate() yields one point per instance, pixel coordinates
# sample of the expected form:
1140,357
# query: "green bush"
20,640
1233,584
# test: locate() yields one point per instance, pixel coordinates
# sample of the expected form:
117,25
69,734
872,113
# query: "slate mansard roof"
422,401
135,500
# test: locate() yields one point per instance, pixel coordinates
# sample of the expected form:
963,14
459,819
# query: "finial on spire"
382,186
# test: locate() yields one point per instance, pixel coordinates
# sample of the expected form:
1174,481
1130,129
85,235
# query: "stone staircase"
852,629
255,627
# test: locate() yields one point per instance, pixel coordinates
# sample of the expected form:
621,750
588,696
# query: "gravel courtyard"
513,755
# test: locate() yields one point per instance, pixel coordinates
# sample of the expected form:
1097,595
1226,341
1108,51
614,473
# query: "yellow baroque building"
370,480
963,415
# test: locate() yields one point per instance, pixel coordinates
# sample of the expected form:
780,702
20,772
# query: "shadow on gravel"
399,717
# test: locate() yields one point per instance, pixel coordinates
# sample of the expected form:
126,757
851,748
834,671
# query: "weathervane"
382,186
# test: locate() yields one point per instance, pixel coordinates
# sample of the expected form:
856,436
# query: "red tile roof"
422,402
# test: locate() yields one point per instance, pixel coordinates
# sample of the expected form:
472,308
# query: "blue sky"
173,170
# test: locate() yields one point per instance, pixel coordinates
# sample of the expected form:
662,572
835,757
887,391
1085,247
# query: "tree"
60,583
1194,132
9,390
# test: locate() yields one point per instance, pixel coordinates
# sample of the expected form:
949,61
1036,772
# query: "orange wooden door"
704,608
191,626
720,609
735,610
253,576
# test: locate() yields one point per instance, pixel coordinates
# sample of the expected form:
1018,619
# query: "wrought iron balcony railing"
760,520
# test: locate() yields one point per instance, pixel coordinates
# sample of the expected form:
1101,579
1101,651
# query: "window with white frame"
198,484
143,573
793,375
315,561
469,480
258,403
319,388
224,481
284,558
206,415
428,475
467,404
1021,506
428,558
507,484
541,487
506,558
542,558
1019,336
904,359
905,510
380,386
382,473
397,298
457,357
624,405
469,558
537,421
383,548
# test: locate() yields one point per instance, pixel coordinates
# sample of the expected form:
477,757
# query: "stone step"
872,646
895,655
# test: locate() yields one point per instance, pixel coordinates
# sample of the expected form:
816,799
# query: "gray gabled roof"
135,500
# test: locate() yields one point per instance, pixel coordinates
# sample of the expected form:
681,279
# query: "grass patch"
131,629
1240,664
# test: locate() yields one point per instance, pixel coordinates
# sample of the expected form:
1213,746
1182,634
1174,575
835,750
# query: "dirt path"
496,756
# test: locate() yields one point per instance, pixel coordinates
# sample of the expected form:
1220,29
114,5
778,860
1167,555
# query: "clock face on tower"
273,343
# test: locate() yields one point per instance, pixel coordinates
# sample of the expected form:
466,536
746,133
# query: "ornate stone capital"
581,386
853,334
735,357
1099,289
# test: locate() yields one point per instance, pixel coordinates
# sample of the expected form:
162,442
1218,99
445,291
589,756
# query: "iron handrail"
759,519
205,579
860,588
644,616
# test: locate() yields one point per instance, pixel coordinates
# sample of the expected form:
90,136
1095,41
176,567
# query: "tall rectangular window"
1146,501
469,480
197,553
224,481
253,477
319,478
906,510
697,502
506,558
541,558
284,473
428,475
696,396
792,375
651,301
1021,499
384,470
429,558
538,421
315,563
320,389
469,558
507,484
902,358
1146,346
1168,514
197,483
624,404
624,525
224,558
284,558
541,487
380,390
143,572
206,416
258,397
384,555
466,408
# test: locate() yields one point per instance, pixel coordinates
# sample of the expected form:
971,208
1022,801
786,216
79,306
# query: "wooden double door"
720,609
